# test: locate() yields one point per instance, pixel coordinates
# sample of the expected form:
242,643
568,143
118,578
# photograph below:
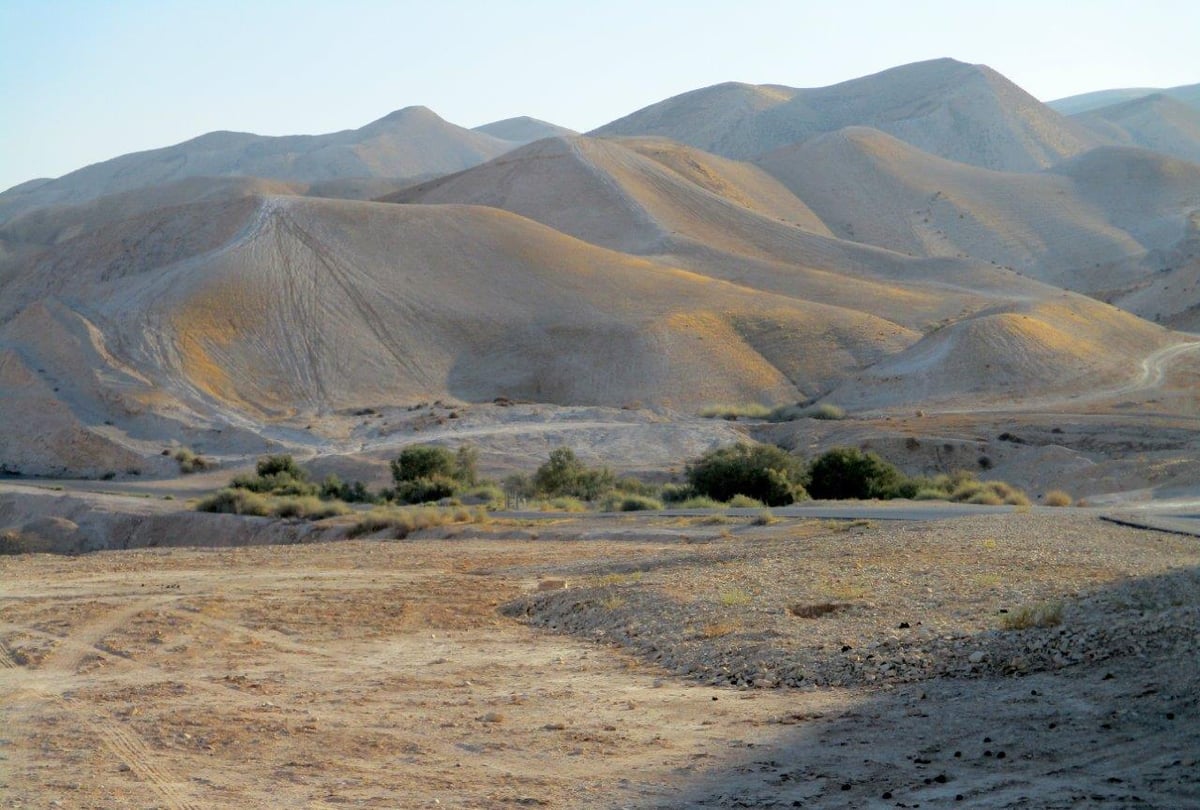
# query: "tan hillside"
1059,226
410,142
967,113
1062,350
718,217
1156,122
297,305
1086,102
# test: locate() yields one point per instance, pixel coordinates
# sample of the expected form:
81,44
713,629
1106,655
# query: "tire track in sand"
122,743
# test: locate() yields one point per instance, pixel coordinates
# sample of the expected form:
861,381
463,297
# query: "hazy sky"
84,81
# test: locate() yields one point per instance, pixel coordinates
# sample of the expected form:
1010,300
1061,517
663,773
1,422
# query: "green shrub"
622,502
564,474
760,471
423,461
425,489
740,501
849,473
563,503
235,502
350,492
634,486
280,465
676,493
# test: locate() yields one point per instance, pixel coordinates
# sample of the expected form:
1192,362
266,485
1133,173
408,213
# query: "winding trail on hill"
1151,374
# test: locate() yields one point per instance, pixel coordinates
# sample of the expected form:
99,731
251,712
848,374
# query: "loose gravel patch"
825,604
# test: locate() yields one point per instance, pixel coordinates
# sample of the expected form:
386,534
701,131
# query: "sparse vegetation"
1043,614
1056,497
751,410
190,462
401,521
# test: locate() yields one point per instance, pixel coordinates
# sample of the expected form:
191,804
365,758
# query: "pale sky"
85,81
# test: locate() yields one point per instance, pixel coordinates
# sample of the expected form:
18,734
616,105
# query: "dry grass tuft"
1043,614
1056,497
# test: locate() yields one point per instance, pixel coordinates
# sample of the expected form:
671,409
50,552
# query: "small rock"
977,657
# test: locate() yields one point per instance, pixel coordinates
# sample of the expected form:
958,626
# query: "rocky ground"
690,661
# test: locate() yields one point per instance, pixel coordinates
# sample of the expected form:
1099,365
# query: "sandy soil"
385,673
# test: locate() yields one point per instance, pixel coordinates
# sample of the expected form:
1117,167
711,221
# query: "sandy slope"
523,129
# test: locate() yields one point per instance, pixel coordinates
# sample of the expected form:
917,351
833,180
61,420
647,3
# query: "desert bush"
790,413
235,502
406,519
564,474
626,502
308,507
17,542
635,486
849,473
765,518
675,493
741,501
751,410
1044,614
425,489
487,494
563,503
351,492
189,462
276,475
763,472
1056,497
698,502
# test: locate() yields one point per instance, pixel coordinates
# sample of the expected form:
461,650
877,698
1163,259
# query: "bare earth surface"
433,671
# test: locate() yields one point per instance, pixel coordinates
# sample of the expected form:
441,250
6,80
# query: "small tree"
760,471
422,461
848,473
565,474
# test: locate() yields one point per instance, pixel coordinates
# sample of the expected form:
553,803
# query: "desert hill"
268,307
523,129
1156,122
408,143
967,113
1095,211
1010,359
1085,102
721,218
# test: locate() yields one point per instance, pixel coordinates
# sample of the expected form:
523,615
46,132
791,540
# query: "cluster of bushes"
741,475
782,413
189,462
772,477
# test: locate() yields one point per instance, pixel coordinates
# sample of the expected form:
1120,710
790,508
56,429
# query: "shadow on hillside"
1119,728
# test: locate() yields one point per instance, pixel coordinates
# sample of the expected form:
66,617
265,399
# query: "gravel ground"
850,604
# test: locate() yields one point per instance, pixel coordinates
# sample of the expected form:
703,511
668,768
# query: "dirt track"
382,674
